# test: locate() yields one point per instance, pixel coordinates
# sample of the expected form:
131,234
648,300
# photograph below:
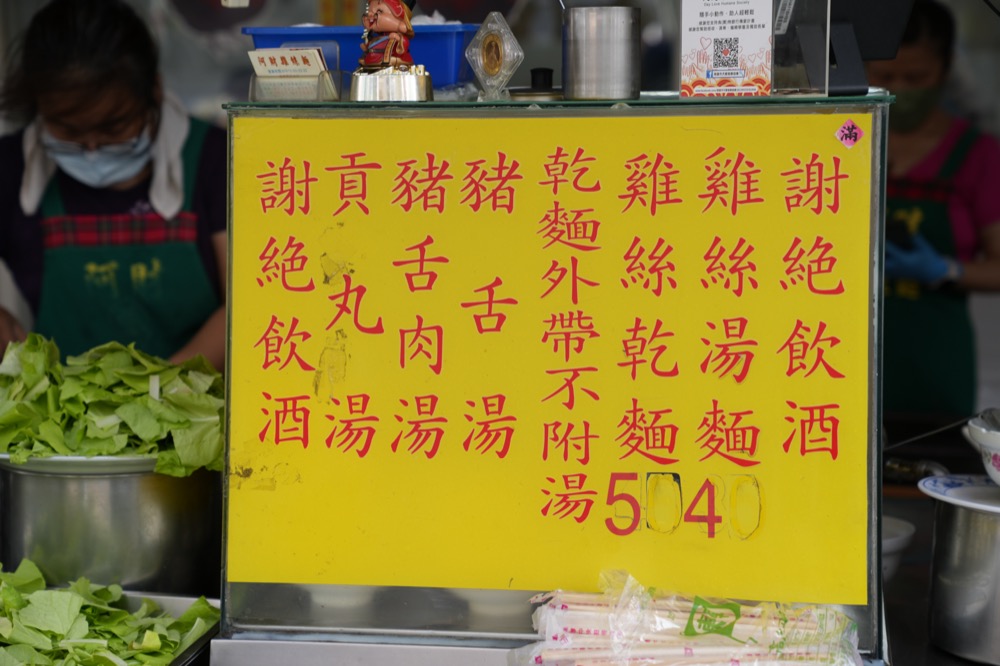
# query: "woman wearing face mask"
112,199
942,231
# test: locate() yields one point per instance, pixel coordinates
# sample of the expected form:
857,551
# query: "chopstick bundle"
631,627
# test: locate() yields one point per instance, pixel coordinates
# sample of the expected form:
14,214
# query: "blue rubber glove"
921,263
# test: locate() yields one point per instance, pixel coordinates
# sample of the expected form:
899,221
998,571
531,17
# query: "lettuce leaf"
89,625
110,400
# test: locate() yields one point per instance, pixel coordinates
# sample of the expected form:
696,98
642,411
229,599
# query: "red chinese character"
493,432
809,185
354,430
651,439
729,440
569,385
422,279
289,421
283,189
556,274
575,502
275,343
733,353
353,182
731,182
426,341
491,185
558,167
422,431
651,182
559,440
816,262
575,232
490,321
800,350
637,347
344,306
569,331
423,185
290,262
649,273
816,432
730,275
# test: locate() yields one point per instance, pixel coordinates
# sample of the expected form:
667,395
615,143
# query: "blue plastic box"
439,48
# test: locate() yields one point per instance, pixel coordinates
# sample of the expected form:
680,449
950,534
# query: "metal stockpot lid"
971,491
82,465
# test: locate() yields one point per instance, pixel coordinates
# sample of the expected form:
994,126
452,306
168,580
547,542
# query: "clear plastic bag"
629,625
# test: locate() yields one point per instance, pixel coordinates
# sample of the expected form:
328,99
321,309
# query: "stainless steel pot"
113,520
601,53
965,583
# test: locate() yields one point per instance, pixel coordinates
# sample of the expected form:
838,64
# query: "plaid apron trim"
125,229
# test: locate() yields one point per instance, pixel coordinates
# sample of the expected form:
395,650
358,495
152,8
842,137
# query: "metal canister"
113,520
601,53
965,585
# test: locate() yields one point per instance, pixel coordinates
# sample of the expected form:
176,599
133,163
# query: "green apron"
132,277
929,365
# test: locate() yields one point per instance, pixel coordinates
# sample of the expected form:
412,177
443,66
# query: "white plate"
973,491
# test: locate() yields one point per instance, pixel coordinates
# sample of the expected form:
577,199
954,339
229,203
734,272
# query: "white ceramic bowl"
987,442
896,536
983,433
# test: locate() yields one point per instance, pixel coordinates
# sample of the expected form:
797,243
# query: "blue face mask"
104,166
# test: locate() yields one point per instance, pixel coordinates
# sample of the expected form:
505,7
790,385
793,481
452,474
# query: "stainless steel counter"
242,652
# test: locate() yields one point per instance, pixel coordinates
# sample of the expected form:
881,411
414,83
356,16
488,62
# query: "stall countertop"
647,99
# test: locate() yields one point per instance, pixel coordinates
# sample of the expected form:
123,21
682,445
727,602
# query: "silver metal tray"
80,465
175,605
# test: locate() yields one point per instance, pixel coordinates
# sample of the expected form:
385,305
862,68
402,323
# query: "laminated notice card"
726,48
287,62
291,74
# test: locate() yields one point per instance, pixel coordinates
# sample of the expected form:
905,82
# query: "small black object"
541,78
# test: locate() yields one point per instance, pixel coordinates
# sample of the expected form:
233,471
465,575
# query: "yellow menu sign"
513,353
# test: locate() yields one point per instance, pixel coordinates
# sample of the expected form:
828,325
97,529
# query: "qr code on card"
726,52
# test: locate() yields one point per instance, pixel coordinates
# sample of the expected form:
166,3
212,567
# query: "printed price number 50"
735,501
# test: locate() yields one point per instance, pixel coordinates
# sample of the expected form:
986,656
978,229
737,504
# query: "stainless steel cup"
601,53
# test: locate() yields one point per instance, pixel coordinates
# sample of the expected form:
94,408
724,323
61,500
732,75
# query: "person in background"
942,231
112,198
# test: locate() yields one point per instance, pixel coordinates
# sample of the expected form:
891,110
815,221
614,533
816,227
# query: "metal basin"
113,520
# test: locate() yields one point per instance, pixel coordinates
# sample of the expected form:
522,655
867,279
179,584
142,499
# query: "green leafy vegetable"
110,400
90,625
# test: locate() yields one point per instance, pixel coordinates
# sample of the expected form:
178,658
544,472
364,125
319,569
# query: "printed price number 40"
735,500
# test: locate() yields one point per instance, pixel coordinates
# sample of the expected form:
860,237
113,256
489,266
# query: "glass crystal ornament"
494,55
